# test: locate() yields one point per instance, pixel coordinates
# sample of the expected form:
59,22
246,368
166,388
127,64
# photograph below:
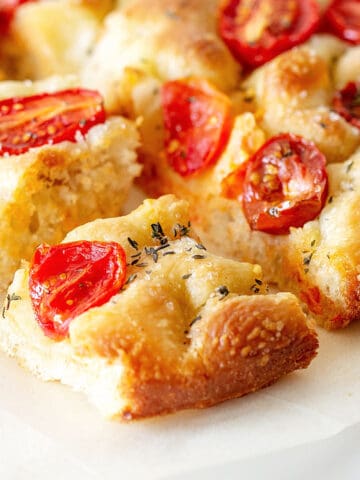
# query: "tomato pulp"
68,279
48,118
284,184
197,124
258,30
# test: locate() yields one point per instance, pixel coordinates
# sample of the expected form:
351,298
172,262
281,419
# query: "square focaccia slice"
62,163
136,313
270,172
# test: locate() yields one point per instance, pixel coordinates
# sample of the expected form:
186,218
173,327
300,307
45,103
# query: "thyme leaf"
349,166
133,243
130,279
152,252
274,212
158,233
307,259
223,291
182,230
9,298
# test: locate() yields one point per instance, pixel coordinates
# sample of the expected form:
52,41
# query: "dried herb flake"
158,233
9,298
133,243
199,257
130,279
223,291
349,166
307,259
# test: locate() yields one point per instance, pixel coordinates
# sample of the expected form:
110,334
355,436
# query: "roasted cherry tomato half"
347,103
48,118
68,279
7,11
197,123
258,30
343,19
284,184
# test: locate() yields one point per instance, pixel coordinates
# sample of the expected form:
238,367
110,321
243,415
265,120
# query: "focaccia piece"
319,262
164,39
294,94
187,330
48,190
51,38
302,261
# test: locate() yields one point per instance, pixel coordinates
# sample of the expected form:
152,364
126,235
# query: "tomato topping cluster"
48,118
284,184
68,279
197,121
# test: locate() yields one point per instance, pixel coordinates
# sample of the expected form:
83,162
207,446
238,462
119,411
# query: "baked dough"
49,190
165,39
188,329
292,93
146,43
47,38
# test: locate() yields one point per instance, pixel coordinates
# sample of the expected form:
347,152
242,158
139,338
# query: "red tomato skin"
27,122
68,279
7,12
346,103
273,211
270,46
189,107
342,18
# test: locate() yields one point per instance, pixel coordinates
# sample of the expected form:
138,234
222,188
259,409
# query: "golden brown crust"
294,93
161,39
188,27
190,330
241,347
